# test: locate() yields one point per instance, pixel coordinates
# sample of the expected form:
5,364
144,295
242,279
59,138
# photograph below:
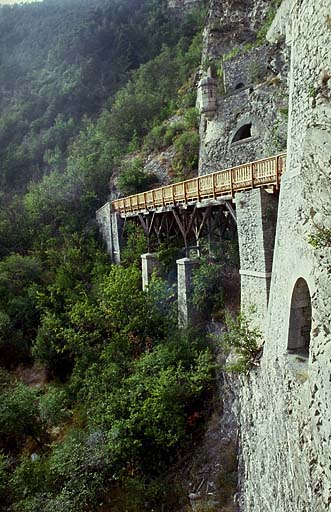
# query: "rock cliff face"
284,406
180,7
250,118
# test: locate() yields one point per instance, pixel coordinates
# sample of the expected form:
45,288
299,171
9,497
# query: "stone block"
149,265
187,314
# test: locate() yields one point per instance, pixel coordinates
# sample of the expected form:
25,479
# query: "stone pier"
257,219
149,265
186,312
110,225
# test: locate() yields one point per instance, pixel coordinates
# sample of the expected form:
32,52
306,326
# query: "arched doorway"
300,320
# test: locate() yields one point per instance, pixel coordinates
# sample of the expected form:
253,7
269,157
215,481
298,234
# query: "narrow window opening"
300,320
244,132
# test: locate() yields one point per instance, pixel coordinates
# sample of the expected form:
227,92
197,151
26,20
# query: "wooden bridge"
203,207
220,185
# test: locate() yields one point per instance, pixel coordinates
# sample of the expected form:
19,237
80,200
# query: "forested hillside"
100,392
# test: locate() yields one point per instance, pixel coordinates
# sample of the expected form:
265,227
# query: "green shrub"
243,340
4,484
146,417
187,154
54,406
191,118
168,253
28,480
133,178
208,294
19,414
135,245
188,99
320,239
172,131
154,140
261,35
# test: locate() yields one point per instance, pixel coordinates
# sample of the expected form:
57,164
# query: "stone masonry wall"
285,405
256,221
262,100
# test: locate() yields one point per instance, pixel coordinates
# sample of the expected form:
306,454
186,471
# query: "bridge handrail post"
252,175
213,184
277,171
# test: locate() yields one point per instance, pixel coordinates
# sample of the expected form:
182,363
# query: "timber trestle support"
190,223
202,207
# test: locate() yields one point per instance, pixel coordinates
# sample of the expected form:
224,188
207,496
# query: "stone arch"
244,132
300,319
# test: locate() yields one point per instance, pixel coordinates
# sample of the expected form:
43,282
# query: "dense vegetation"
83,83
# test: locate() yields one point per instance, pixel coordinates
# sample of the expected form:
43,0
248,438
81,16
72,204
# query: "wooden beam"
231,210
143,223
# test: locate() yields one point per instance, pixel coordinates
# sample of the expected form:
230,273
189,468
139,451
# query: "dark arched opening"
244,132
300,320
240,85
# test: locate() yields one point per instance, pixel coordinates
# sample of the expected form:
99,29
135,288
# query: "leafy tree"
19,417
81,86
18,314
133,178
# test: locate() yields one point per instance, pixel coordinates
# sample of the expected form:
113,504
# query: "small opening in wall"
300,320
240,85
244,132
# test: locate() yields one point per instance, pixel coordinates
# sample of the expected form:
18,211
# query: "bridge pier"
256,220
110,225
187,314
149,265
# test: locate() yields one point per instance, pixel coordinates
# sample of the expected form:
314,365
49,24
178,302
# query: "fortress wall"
262,99
285,405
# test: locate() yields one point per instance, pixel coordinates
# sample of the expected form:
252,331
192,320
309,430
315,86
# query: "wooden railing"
262,173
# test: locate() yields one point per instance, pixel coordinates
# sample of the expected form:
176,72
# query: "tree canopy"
82,84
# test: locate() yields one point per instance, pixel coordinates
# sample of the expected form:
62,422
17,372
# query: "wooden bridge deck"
222,184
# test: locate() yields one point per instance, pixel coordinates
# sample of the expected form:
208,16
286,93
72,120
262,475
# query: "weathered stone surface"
160,164
149,265
181,7
252,88
230,23
284,406
110,225
256,221
186,311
